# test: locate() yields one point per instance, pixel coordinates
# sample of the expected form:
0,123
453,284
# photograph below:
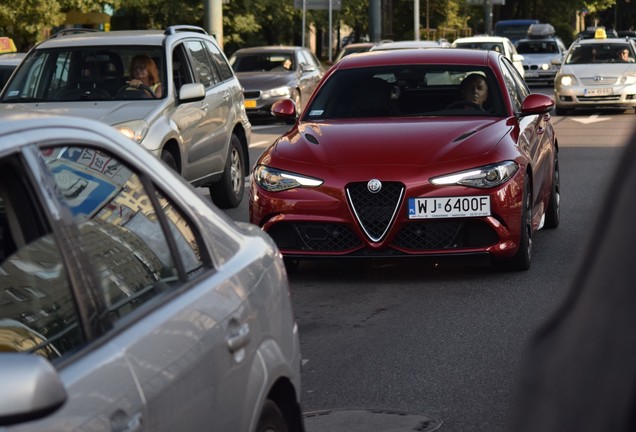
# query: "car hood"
262,81
109,112
407,142
603,69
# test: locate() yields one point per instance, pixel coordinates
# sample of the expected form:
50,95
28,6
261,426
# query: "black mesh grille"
445,235
375,211
323,237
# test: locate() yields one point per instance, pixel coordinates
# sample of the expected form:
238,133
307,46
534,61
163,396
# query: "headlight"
274,180
135,130
276,93
545,66
567,80
629,79
482,177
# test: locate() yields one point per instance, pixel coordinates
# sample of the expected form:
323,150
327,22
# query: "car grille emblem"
374,185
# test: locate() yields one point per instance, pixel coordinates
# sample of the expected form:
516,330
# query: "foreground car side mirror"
536,103
31,388
285,109
191,92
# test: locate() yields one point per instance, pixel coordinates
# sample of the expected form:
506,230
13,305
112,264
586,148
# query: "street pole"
488,17
304,18
416,18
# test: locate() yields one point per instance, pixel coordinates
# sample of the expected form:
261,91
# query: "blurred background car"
391,160
8,63
9,59
271,73
197,126
129,300
593,75
353,48
542,53
409,44
500,44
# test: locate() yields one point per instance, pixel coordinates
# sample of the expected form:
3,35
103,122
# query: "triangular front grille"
375,212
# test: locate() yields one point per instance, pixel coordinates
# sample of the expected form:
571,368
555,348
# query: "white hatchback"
500,44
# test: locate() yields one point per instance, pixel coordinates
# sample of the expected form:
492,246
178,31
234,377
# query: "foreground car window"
37,308
81,74
121,229
399,91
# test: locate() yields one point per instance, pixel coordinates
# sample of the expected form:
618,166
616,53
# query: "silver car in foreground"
128,302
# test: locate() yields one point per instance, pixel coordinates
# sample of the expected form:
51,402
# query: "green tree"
29,22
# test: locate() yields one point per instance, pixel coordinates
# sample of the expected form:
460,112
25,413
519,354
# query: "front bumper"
617,96
309,223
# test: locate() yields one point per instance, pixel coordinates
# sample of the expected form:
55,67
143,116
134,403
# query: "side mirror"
191,93
307,68
536,103
285,109
517,57
556,61
31,388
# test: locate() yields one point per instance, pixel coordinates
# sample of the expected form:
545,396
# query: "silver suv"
198,124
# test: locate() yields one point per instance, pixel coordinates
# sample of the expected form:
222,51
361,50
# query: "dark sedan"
388,160
272,73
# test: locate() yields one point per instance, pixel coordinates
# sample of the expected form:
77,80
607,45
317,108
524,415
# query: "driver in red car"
474,90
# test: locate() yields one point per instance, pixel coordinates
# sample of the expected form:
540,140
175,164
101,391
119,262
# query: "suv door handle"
226,95
239,339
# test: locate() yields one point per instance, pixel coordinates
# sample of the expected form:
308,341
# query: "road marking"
591,119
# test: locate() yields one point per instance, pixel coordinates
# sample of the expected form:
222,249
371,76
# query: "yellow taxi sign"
600,34
7,45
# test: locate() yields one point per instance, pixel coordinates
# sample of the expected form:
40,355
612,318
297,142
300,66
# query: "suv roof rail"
74,30
184,28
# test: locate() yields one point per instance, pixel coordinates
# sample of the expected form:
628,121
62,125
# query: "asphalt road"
411,345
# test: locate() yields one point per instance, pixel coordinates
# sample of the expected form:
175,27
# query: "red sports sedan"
432,152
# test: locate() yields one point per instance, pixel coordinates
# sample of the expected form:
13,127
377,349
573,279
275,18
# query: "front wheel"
228,191
271,419
521,260
553,213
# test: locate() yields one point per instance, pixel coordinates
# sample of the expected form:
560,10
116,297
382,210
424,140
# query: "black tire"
521,260
553,213
228,191
271,419
169,159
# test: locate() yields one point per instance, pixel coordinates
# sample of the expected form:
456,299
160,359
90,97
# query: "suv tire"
228,191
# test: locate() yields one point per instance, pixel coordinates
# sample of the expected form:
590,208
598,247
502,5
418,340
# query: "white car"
593,75
542,52
494,43
197,123
127,301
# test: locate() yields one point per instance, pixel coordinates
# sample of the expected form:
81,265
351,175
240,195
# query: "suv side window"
201,63
220,61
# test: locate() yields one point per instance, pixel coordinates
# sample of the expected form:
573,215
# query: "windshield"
537,47
403,91
600,53
84,74
263,62
487,46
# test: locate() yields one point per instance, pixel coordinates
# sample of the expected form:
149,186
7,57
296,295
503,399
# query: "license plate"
449,207
250,104
529,74
598,92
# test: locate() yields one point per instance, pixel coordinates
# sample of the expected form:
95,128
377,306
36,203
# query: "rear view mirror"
31,388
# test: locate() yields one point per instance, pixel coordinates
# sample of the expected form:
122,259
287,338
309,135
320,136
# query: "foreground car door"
145,334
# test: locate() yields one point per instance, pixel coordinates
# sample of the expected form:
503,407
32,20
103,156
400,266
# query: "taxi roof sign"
7,45
600,33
